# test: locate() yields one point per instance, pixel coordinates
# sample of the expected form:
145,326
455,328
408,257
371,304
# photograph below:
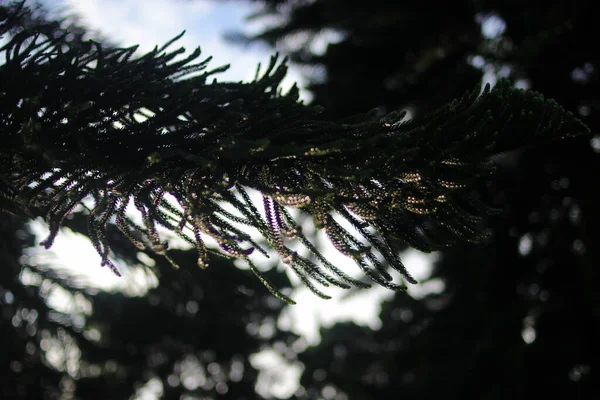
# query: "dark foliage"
191,335
518,316
82,121
534,277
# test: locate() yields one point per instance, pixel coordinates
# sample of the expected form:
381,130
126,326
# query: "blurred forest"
518,315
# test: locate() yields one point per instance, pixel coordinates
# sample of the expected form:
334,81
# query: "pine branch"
82,121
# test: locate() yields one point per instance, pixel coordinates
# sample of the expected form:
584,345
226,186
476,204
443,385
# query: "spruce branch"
82,121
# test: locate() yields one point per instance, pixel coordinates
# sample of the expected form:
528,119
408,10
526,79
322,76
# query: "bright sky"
152,22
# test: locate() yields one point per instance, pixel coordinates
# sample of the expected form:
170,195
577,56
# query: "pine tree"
511,318
100,128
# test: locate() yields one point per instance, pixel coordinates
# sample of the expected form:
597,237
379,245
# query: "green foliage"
85,124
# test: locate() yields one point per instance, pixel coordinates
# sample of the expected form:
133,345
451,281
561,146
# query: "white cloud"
146,19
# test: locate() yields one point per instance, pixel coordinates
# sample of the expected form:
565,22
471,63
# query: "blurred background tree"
517,317
189,335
